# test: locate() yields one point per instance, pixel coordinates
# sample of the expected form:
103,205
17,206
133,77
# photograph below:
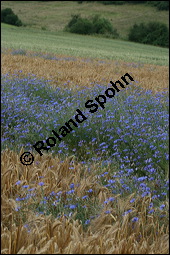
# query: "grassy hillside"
63,43
54,15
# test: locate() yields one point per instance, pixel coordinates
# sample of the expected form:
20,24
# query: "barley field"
83,46
103,189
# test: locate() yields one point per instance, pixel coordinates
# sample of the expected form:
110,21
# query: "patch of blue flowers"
131,133
132,129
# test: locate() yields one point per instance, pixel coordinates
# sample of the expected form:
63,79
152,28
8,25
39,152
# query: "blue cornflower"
135,219
90,190
52,193
41,183
145,194
132,200
84,197
72,186
125,213
59,193
94,139
108,211
70,191
19,199
31,189
130,170
92,216
25,186
154,196
87,222
111,199
151,211
72,206
102,144
151,179
125,187
150,205
163,194
163,215
152,170
111,181
43,202
142,185
18,182
17,208
162,207
142,178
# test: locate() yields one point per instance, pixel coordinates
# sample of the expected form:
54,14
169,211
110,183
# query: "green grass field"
54,15
63,43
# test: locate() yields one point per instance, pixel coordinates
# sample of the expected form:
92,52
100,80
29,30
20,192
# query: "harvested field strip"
85,73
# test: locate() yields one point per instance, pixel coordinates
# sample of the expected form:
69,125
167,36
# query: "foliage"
113,2
154,33
93,25
160,5
8,17
79,25
102,26
5,12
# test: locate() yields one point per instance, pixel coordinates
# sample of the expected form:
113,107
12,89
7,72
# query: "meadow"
104,188
54,15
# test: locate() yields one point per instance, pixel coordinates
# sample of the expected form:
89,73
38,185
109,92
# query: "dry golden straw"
108,234
83,73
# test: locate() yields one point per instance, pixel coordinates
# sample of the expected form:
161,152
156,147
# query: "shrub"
103,26
94,25
73,20
154,33
8,17
163,5
5,12
122,2
82,26
113,2
160,5
137,32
